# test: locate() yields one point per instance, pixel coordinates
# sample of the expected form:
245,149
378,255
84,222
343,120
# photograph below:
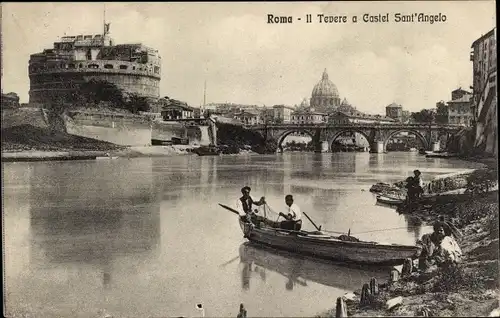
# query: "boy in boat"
293,220
245,204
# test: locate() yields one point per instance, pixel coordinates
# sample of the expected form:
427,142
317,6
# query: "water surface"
145,237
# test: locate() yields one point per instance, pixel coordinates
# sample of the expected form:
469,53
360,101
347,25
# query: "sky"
244,59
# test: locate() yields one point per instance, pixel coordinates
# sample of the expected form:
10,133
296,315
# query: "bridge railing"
374,125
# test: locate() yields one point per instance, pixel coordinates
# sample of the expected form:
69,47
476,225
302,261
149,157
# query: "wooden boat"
441,155
389,200
343,248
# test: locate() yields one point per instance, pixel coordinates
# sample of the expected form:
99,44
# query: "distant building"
394,111
357,117
283,114
173,109
266,115
459,108
308,117
10,100
248,118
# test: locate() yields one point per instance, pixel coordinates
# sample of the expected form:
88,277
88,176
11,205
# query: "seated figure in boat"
439,248
245,206
293,216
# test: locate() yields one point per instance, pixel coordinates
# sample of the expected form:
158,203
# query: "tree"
425,116
441,113
96,91
137,103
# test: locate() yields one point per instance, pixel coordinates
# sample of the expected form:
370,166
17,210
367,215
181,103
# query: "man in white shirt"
245,204
293,216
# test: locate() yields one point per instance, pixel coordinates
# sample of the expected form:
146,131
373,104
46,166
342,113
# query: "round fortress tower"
56,74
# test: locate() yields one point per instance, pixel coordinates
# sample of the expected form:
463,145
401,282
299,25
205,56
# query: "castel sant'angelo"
55,74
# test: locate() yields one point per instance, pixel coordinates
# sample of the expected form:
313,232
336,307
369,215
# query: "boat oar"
307,216
229,209
230,261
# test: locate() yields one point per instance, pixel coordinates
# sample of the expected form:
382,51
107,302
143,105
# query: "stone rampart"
121,129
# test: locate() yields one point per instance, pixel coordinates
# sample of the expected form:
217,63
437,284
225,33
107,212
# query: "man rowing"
293,216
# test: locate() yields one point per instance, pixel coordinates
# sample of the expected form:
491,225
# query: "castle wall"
49,83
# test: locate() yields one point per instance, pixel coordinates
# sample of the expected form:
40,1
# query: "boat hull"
389,201
328,247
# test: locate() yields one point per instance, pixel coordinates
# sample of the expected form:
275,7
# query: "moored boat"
344,248
207,151
389,200
441,155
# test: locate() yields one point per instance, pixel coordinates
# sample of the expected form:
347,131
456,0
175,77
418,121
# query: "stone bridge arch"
287,132
417,133
335,134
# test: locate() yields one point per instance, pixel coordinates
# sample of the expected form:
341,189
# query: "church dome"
325,88
325,93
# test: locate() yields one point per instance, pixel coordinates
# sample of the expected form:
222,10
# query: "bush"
454,278
481,181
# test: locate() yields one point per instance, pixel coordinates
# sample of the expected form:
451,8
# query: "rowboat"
344,248
441,155
207,151
389,200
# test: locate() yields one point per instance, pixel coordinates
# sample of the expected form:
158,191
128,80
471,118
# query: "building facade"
484,99
308,117
283,114
459,108
56,74
484,64
357,117
394,111
248,118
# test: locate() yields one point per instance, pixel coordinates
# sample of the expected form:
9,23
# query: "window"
123,67
93,66
108,66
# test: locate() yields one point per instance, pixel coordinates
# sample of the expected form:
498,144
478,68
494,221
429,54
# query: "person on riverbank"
418,183
438,248
245,205
411,193
293,221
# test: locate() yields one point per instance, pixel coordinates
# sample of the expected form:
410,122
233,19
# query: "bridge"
377,135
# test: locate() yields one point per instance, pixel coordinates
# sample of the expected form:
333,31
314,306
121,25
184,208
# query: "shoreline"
472,289
125,152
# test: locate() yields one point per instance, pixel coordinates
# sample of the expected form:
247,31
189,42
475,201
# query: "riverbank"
471,289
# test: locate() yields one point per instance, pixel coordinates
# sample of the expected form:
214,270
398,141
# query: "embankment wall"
121,129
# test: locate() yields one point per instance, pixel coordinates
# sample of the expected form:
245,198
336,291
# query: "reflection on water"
298,270
146,237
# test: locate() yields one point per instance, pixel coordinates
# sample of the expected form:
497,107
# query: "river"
146,237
